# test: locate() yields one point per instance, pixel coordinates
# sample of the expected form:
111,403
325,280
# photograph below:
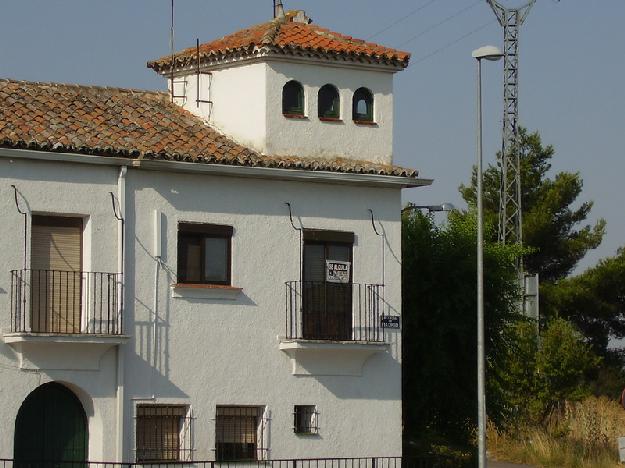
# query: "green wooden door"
51,429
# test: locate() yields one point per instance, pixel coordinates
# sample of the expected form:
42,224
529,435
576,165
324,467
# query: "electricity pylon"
510,209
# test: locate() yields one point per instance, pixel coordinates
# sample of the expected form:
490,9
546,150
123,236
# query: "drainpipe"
121,249
157,253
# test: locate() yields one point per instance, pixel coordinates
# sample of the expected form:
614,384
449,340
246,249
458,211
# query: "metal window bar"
306,420
163,434
334,312
66,302
240,433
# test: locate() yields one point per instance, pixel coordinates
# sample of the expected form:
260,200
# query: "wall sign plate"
390,321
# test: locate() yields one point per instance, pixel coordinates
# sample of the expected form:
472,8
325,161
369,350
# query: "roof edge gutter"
342,178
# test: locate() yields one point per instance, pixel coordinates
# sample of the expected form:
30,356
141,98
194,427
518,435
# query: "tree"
535,379
558,237
593,300
552,228
439,325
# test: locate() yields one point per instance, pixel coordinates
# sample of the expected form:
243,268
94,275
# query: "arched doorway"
51,426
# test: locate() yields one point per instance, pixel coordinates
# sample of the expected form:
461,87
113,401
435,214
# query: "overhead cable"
402,19
440,23
452,43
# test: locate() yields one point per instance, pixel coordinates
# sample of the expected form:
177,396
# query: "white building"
205,279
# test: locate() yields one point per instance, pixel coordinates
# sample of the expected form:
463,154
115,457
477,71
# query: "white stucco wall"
314,138
247,106
70,190
238,99
208,351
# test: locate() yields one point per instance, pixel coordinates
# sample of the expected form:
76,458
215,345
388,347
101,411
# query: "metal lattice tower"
510,210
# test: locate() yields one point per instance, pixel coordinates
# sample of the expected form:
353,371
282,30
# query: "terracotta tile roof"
285,36
134,124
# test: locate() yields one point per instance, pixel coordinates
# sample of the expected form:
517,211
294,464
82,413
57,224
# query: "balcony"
332,328
64,309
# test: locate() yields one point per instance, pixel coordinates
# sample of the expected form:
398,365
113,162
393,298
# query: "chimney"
298,16
278,9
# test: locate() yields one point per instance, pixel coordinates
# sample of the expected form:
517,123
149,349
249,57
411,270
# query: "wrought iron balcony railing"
66,302
334,311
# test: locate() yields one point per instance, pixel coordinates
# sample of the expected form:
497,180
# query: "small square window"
305,420
162,433
204,253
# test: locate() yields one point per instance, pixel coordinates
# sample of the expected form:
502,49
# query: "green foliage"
557,237
552,228
526,378
610,379
539,376
594,301
439,325
563,363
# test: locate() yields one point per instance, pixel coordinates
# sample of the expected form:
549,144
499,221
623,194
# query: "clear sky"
572,70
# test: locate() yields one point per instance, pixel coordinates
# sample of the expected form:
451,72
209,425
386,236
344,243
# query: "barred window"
239,433
305,419
162,433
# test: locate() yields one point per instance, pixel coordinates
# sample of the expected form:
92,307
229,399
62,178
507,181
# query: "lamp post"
431,208
490,53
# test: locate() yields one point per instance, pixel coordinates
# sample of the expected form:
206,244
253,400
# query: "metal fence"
317,310
66,302
363,462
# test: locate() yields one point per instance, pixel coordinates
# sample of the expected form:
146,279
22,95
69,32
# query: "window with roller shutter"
240,433
56,263
162,433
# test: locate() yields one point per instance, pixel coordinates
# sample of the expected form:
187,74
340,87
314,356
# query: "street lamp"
493,54
431,208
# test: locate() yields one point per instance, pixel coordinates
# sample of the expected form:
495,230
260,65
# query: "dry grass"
580,435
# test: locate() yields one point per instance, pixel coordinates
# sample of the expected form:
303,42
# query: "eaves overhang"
340,178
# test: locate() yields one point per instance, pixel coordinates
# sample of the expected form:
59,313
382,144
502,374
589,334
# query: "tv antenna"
172,80
510,208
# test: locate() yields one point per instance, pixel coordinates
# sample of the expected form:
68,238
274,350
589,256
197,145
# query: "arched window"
363,105
329,103
293,99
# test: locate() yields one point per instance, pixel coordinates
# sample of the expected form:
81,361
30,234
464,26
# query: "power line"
440,23
403,18
454,42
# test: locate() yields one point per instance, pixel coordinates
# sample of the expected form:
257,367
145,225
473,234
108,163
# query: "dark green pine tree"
554,227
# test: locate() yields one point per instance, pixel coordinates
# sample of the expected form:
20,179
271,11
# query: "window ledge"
205,291
366,123
295,116
331,119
